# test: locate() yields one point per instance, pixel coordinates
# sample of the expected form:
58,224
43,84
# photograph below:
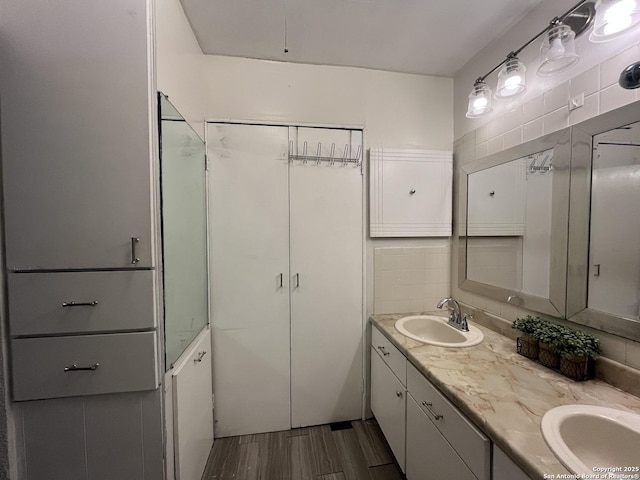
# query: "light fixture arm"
556,21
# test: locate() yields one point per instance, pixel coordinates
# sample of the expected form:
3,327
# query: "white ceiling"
412,36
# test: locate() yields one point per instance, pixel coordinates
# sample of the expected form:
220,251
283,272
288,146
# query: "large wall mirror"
604,236
513,224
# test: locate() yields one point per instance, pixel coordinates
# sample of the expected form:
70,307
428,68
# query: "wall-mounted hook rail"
346,157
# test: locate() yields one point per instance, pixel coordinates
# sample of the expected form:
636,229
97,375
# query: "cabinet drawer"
124,301
126,362
390,354
470,443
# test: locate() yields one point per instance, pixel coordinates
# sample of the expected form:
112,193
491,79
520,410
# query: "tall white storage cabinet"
78,154
286,253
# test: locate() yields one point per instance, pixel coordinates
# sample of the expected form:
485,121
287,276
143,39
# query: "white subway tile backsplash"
556,97
586,83
632,357
615,96
482,133
481,150
496,126
496,144
513,118
590,109
532,130
610,69
410,278
533,109
513,137
556,120
613,347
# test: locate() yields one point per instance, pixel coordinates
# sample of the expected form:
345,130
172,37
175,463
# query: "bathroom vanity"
473,412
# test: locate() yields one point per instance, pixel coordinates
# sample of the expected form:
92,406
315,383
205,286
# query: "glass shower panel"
184,247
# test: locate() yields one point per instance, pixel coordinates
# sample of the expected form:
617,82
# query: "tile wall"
542,115
411,279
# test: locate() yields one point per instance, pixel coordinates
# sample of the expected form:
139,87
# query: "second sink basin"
435,330
588,438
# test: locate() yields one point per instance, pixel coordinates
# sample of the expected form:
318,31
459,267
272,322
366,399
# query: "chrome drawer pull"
134,259
200,356
429,408
76,368
80,304
385,353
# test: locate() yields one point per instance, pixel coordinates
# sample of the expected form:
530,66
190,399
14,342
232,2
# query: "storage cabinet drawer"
80,302
390,354
470,443
83,365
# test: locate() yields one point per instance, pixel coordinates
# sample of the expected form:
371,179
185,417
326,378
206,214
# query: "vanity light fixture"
511,79
613,18
479,100
558,50
558,53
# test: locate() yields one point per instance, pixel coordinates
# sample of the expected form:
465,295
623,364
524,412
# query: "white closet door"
326,288
249,257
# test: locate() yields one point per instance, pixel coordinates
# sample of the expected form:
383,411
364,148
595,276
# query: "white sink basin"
435,330
586,438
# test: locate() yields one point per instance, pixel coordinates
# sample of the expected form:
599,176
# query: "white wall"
397,110
180,63
543,109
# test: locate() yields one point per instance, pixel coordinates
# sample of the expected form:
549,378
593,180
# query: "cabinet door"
76,123
249,246
388,405
429,455
326,289
504,468
193,409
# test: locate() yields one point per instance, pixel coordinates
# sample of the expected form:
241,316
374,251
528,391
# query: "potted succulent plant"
549,336
527,342
577,350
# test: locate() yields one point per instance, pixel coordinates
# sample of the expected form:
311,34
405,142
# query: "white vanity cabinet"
441,441
388,393
410,193
504,469
430,438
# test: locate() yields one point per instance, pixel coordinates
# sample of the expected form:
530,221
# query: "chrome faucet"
456,319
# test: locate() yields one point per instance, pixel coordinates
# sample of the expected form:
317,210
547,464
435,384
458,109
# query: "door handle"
281,280
297,275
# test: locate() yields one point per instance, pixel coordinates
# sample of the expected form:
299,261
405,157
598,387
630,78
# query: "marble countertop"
504,393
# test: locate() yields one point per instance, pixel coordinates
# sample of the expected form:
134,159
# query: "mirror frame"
579,220
555,304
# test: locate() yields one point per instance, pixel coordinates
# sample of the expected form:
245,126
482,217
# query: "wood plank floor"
314,453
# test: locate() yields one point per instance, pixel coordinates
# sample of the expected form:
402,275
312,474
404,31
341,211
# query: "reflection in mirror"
603,281
614,252
509,224
514,241
184,248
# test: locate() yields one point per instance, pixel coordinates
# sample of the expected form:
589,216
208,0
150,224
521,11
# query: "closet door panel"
326,289
249,246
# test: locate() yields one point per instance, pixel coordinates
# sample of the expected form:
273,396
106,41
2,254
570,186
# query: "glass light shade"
558,50
511,79
613,18
479,101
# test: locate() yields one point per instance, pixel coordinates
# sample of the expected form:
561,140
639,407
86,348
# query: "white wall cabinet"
286,273
410,193
79,181
76,129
